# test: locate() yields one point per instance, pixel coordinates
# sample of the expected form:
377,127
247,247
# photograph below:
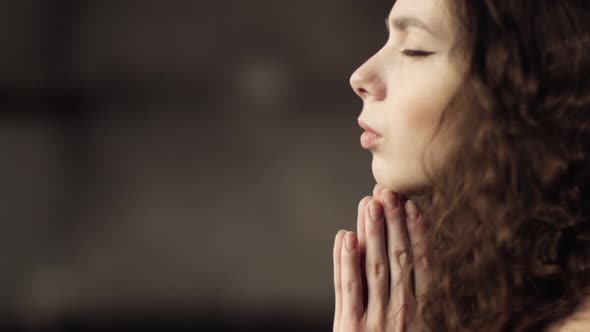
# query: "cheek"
413,116
417,105
412,112
410,124
422,117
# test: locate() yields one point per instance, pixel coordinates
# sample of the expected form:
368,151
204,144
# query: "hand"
367,273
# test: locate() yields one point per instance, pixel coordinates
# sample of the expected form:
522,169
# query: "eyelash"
416,53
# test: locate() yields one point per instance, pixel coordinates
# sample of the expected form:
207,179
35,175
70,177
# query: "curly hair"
509,211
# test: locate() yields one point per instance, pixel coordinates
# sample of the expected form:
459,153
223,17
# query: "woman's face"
405,87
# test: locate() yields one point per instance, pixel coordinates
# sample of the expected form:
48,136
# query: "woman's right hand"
367,273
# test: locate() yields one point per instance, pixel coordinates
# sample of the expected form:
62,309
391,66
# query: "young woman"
477,114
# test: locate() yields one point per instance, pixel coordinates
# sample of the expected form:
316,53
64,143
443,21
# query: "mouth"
366,127
369,137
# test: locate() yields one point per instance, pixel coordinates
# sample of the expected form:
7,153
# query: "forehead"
434,13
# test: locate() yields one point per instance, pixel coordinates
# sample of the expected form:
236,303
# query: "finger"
337,278
376,265
360,224
377,190
352,298
397,240
362,242
415,225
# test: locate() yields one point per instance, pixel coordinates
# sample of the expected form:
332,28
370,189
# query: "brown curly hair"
508,213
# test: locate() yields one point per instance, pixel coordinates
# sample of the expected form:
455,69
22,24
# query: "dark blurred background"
178,165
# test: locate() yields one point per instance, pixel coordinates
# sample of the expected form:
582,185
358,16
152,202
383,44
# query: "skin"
404,96
366,276
393,84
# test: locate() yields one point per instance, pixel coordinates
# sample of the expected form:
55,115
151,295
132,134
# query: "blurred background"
178,165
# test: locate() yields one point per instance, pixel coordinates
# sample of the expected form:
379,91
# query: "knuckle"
423,263
378,269
398,264
351,286
403,258
400,257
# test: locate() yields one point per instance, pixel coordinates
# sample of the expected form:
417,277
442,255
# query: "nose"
367,82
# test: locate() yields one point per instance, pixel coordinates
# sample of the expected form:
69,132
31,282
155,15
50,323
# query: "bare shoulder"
571,326
578,322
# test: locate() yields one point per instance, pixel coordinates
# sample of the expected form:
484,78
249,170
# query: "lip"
366,127
370,137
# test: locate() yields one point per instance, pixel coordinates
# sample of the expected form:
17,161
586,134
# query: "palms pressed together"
367,272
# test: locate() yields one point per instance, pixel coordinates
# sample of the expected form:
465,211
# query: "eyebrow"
403,22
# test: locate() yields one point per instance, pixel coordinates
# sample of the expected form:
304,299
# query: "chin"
408,184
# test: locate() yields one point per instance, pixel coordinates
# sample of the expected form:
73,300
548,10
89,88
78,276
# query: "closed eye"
416,53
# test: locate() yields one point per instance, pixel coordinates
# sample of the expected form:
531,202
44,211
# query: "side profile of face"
405,87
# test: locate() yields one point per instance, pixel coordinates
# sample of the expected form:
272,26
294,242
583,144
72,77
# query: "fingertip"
375,211
339,235
351,241
390,200
364,201
377,191
412,210
387,192
361,216
378,203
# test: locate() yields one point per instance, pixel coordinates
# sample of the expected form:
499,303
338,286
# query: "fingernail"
350,241
411,210
374,211
390,200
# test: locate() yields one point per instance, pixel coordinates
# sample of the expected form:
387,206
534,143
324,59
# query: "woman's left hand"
367,273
